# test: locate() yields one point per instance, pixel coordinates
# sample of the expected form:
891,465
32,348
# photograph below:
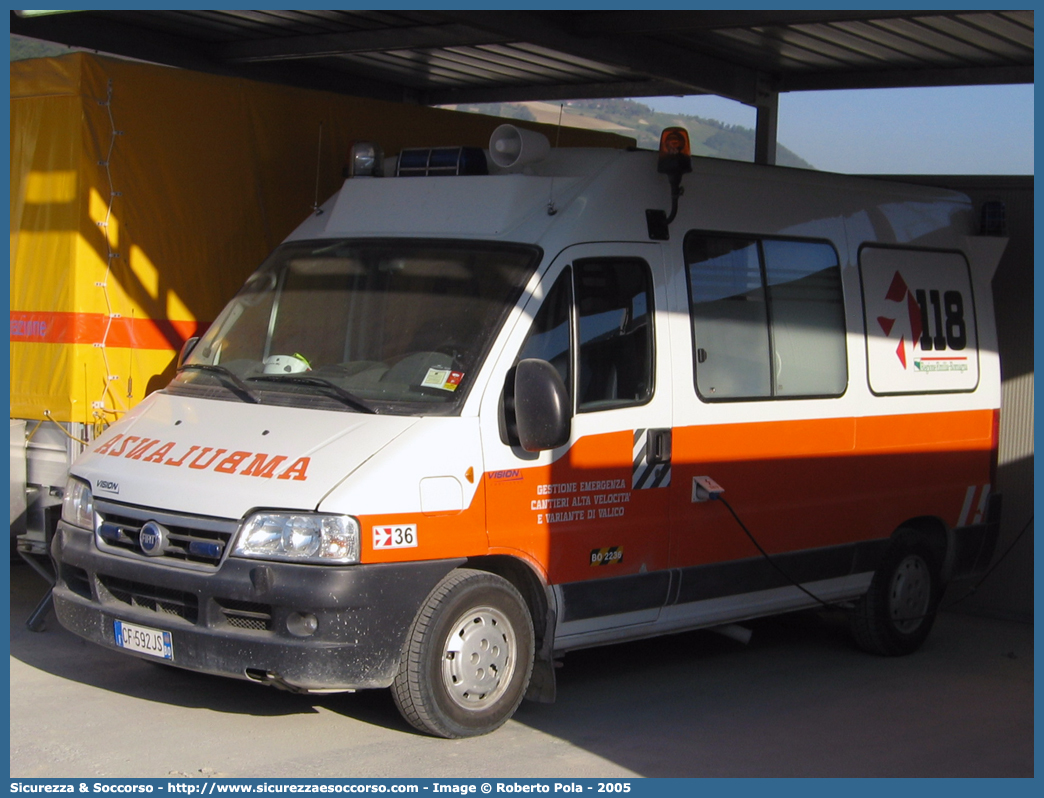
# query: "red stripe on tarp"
56,327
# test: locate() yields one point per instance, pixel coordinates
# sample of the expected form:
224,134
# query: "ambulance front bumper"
301,627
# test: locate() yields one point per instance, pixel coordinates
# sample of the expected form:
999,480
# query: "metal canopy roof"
443,57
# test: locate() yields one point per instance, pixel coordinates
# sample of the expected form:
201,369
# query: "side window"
614,330
729,317
550,339
767,318
612,298
808,318
549,336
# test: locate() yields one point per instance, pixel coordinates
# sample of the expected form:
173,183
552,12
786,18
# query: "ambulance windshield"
373,326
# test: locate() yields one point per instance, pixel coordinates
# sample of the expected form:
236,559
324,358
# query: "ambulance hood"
222,459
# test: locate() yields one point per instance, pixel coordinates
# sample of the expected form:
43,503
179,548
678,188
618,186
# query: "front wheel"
468,658
898,611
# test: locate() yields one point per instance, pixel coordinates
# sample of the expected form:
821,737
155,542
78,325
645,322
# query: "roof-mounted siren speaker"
511,146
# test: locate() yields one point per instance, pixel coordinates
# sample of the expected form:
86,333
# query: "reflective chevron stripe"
644,475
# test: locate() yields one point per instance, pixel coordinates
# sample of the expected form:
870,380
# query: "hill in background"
707,137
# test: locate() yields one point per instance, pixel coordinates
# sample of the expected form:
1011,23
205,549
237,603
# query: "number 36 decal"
398,536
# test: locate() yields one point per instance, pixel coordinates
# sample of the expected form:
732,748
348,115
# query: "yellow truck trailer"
141,198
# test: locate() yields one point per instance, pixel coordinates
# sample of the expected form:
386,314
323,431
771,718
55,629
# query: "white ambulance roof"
600,194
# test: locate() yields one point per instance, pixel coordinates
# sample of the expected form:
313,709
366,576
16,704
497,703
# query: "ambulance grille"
160,600
194,541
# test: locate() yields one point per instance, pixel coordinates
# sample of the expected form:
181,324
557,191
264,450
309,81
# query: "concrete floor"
799,700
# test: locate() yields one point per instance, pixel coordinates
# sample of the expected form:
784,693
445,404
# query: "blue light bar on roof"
435,161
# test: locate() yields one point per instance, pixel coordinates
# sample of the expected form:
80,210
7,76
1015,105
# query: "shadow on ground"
799,700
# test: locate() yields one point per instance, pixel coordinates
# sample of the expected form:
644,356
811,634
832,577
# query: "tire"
468,657
896,614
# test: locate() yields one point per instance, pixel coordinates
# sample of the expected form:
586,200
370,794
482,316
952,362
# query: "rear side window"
768,317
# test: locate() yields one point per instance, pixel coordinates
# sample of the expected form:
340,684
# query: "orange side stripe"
57,327
958,430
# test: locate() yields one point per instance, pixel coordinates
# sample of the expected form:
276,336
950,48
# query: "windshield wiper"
229,377
349,399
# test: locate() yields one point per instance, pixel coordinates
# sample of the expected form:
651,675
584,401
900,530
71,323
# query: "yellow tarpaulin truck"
141,198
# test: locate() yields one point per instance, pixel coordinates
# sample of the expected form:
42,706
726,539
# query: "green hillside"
708,137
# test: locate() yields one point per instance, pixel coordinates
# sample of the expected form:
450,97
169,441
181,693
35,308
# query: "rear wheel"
898,611
468,657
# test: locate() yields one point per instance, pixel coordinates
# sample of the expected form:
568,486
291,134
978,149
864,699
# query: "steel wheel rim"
910,594
478,659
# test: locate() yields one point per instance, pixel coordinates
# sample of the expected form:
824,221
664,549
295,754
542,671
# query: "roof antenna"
551,209
318,165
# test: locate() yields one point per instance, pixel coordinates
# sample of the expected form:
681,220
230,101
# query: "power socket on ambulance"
704,489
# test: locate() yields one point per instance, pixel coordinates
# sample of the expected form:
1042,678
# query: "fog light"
301,624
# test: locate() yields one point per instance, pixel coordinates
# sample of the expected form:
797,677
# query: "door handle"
659,446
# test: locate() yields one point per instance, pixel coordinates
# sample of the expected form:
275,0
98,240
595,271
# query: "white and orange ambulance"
487,407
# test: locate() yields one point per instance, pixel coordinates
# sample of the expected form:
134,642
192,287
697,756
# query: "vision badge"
609,556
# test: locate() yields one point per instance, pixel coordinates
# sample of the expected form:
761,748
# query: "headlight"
78,504
299,537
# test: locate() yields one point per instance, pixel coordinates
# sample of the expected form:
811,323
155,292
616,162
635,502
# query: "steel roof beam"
628,23
549,91
111,36
622,41
687,71
118,38
908,78
365,41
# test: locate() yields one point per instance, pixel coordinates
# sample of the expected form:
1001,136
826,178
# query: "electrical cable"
992,568
765,554
794,582
29,437
318,171
551,210
63,429
110,254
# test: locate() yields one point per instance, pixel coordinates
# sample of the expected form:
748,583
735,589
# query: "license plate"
153,642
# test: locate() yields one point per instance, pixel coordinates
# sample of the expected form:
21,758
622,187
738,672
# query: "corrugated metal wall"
1008,592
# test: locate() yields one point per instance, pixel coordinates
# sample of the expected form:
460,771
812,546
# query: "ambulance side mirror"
186,350
542,412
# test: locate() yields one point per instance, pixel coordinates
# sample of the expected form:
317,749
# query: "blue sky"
952,130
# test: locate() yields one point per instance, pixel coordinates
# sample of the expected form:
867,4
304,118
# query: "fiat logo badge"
153,539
